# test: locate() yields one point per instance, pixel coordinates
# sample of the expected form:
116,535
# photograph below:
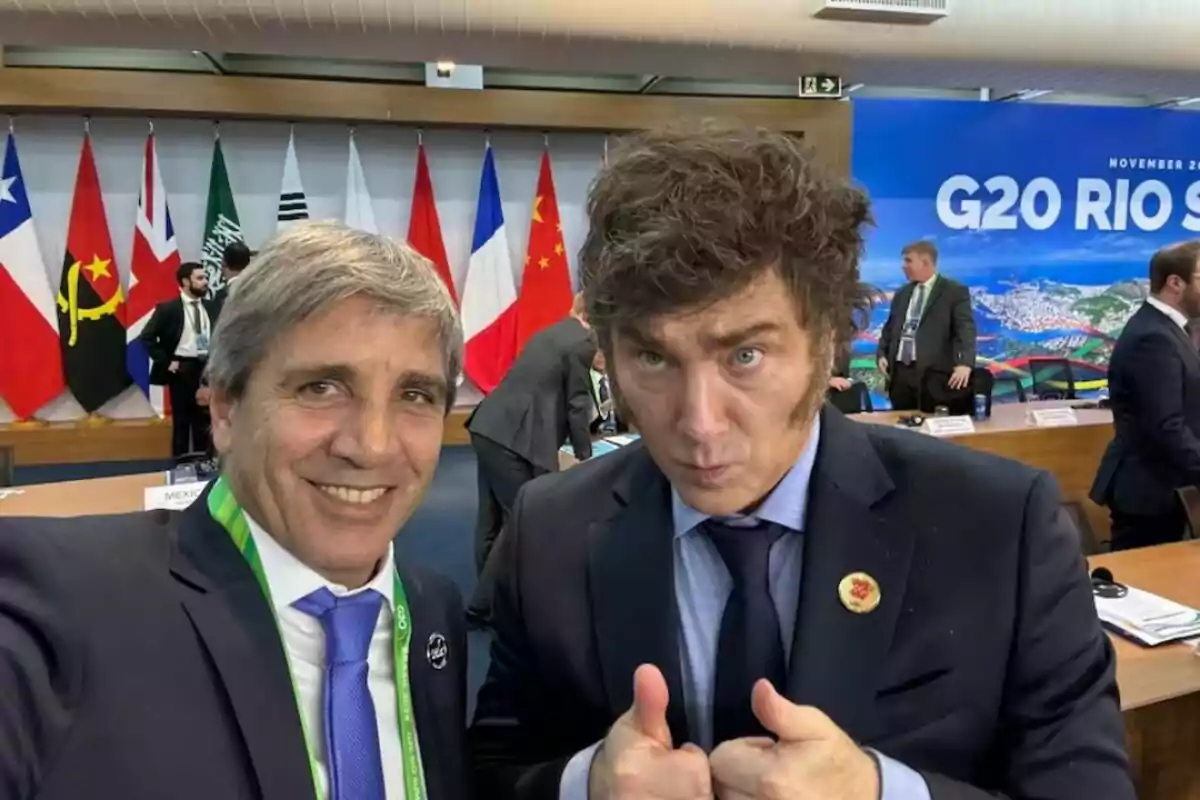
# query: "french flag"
31,372
489,298
152,272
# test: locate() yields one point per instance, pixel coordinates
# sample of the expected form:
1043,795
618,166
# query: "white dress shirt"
304,642
1174,314
188,346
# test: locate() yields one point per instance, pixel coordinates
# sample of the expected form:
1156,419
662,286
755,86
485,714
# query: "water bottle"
981,407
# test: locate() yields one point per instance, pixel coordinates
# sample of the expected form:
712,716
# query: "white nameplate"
1053,417
949,426
173,498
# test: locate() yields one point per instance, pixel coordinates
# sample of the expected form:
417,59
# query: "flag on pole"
152,269
31,373
91,305
424,228
359,213
221,224
489,302
293,204
546,282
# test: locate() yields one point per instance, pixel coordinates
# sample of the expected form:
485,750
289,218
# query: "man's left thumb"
785,719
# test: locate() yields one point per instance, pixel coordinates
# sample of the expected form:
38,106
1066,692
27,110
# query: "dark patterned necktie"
750,645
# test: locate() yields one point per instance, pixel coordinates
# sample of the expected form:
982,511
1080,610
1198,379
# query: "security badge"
437,652
859,593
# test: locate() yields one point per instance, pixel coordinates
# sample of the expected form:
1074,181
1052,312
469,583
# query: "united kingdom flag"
152,272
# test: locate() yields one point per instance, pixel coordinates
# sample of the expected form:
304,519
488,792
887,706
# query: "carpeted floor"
440,535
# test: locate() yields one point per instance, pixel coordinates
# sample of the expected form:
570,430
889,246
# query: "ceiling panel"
1100,46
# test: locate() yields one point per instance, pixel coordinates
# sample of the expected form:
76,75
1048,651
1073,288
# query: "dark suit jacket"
1154,389
218,303
946,337
545,399
139,659
984,667
163,332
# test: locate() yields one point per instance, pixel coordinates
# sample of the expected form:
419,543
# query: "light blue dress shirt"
702,587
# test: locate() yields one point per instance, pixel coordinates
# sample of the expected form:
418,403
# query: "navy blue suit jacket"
984,666
139,659
1154,388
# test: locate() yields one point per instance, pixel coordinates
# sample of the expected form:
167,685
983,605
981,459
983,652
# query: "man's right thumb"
650,698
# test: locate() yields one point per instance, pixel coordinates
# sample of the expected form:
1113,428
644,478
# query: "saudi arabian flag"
221,226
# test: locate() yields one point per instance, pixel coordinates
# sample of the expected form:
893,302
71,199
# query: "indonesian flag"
31,373
489,302
152,281
546,283
424,228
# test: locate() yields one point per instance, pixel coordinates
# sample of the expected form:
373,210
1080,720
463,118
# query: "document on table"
1148,618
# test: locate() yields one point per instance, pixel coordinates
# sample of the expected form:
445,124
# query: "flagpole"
420,137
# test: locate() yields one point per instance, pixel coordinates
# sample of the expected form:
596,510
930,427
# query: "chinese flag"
545,296
424,228
91,305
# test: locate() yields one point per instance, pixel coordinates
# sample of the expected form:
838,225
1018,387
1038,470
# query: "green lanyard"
224,508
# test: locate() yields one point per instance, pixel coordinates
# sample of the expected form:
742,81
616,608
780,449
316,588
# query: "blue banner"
1049,213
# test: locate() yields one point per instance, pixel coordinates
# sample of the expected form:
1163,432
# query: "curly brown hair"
683,217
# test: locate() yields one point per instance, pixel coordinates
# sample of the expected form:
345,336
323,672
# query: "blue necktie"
351,734
749,644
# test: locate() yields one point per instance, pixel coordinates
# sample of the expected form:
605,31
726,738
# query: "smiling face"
336,437
723,396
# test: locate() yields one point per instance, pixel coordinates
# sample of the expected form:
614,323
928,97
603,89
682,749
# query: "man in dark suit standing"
545,400
177,338
234,260
1154,389
266,642
757,567
930,327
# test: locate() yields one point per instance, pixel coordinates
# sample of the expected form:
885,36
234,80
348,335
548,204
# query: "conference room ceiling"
1097,46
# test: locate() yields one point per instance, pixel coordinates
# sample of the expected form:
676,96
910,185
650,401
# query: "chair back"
1053,378
854,400
936,391
1014,381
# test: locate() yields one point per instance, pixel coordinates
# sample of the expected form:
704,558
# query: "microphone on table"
1103,584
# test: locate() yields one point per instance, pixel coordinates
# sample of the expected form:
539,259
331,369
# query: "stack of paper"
1148,618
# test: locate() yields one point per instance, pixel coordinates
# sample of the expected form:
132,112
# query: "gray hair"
311,267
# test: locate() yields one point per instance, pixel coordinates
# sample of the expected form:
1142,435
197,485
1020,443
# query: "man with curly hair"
763,599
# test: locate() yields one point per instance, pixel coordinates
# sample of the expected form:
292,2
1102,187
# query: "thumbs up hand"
637,760
813,759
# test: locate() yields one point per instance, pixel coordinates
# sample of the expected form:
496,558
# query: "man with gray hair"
264,642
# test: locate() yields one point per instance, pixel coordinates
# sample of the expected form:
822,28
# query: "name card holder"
173,498
1053,417
949,426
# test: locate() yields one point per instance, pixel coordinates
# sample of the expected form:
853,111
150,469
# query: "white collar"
187,298
1175,314
290,578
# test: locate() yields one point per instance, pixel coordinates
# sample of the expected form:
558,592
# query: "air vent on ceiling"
893,12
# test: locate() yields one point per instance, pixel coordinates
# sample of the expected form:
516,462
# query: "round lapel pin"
437,652
859,593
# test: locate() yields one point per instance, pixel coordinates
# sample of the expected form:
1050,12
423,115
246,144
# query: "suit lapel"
631,571
837,654
227,608
934,294
438,744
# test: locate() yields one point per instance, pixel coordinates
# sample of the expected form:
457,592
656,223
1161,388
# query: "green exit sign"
828,86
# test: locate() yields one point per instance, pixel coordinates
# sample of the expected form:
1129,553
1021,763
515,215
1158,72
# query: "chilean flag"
152,272
31,372
489,298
